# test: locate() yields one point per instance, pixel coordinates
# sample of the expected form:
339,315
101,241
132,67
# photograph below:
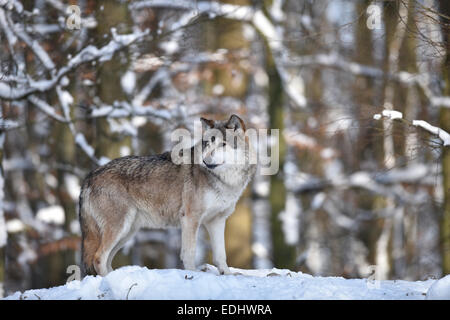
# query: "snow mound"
135,282
440,290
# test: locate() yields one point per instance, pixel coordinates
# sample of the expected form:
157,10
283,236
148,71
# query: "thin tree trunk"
3,234
284,254
257,104
444,121
109,90
394,42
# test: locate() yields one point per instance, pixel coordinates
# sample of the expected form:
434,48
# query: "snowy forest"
359,89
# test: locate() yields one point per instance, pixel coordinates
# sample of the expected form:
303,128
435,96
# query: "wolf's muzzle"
210,166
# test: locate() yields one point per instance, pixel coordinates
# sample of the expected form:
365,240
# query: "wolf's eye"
223,144
213,139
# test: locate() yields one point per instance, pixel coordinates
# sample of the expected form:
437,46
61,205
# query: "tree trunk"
109,90
444,122
234,81
3,234
284,254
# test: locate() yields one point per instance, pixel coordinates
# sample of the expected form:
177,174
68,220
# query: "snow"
45,108
135,282
66,97
170,47
261,77
327,153
441,101
377,116
440,290
3,229
52,214
391,114
318,200
3,234
123,109
14,225
412,173
290,219
443,135
128,82
260,250
267,28
88,54
360,178
218,89
81,141
72,184
276,11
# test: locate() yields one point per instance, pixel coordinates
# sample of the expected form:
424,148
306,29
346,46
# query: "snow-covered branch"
441,101
386,183
338,62
39,52
443,135
88,54
46,108
372,182
6,124
122,109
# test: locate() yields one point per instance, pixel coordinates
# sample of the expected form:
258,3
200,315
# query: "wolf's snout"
210,165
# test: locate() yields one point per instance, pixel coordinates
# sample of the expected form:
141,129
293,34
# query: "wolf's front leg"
216,231
189,230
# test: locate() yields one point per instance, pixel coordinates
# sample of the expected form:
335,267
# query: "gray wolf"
135,192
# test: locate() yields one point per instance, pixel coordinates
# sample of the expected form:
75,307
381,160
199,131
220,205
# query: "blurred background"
354,195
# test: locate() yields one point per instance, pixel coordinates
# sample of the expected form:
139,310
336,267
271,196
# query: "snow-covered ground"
135,282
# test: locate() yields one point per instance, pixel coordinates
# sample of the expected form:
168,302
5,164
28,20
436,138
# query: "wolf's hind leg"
112,234
117,247
109,239
216,231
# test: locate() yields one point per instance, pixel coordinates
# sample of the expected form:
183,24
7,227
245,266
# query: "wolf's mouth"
210,166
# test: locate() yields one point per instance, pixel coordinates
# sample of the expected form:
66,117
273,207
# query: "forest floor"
135,282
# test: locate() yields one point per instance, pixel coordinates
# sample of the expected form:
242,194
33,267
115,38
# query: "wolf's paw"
224,271
217,270
209,269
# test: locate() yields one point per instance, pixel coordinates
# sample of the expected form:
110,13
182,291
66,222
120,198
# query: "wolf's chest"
217,202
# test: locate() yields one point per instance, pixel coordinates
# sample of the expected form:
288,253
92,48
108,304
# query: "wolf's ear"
207,124
235,123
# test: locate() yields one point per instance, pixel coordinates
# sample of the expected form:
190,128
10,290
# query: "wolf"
134,192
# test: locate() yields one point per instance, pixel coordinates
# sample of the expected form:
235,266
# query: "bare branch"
88,54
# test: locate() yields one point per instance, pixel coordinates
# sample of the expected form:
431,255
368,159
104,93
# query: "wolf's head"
224,143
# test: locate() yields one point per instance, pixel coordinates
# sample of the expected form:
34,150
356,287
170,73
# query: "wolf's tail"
90,235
